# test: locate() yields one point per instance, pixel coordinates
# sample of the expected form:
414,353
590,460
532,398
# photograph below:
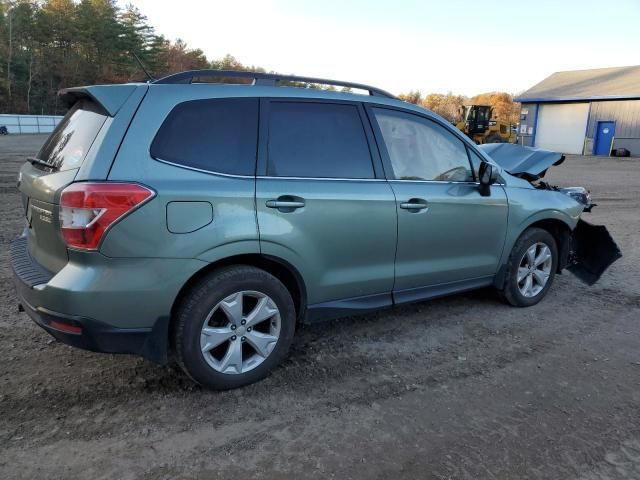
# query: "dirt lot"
459,388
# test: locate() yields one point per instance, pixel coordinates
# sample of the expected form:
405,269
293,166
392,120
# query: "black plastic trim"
345,307
357,305
440,290
150,343
28,270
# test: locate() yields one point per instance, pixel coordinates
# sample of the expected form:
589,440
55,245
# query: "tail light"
89,209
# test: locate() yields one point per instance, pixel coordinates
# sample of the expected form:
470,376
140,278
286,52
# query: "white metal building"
584,111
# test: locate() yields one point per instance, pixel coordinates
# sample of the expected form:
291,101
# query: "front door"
604,138
320,204
448,234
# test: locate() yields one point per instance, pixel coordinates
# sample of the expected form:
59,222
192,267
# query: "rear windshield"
69,143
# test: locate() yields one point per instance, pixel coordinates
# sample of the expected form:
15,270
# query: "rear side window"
217,135
69,143
322,140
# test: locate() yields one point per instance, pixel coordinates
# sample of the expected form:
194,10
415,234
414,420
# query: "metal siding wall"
631,144
626,114
18,124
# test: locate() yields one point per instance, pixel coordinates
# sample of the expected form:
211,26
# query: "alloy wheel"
240,332
534,269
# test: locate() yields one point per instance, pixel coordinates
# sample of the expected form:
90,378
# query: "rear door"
322,203
448,234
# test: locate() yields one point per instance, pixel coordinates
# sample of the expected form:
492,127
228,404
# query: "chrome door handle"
414,204
284,204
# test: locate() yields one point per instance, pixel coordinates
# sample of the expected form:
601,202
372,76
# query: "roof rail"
268,79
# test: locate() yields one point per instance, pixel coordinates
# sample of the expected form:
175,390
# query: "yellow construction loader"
478,125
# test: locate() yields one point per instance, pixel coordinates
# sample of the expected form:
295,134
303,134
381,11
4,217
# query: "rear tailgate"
83,132
45,245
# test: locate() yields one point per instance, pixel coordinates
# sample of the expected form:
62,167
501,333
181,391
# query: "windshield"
69,143
483,114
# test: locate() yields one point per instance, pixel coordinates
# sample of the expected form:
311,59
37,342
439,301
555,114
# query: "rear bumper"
93,335
103,304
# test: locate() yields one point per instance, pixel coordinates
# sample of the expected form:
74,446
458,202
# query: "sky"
461,46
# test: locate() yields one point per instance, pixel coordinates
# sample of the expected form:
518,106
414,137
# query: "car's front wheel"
233,327
531,268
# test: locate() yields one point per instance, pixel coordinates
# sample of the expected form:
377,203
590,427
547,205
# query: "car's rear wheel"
233,327
531,268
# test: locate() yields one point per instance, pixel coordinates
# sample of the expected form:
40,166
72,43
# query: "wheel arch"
557,226
279,268
561,232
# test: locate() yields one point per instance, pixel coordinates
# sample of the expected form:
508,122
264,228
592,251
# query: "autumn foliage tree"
51,44
449,105
504,108
414,96
46,45
446,105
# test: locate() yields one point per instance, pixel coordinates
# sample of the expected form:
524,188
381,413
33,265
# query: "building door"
561,127
604,138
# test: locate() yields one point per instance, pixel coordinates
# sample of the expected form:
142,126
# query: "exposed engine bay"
592,249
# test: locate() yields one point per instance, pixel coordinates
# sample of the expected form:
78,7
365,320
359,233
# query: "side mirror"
487,175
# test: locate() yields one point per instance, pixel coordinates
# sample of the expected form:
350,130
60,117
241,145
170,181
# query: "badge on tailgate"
43,214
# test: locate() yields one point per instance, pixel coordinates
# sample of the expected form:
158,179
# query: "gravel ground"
458,388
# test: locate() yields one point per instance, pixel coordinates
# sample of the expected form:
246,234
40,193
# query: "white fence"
29,123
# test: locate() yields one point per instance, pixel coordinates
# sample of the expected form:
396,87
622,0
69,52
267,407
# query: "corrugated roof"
595,84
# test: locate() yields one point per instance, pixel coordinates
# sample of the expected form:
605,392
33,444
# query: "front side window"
420,149
217,135
321,140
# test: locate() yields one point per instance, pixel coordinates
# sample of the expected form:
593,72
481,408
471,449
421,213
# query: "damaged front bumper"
592,251
591,248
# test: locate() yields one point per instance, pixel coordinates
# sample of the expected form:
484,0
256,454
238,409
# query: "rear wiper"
39,161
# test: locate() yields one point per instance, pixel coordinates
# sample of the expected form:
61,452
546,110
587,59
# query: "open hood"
524,162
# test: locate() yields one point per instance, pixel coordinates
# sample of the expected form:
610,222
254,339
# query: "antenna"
146,72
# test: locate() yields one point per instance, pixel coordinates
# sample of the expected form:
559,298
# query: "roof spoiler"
109,97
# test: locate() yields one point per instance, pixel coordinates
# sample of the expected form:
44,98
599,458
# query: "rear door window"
317,140
216,135
69,143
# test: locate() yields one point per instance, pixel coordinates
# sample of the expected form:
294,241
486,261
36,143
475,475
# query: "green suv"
200,222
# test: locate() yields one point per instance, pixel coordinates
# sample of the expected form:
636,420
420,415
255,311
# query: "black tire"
511,292
495,138
201,299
